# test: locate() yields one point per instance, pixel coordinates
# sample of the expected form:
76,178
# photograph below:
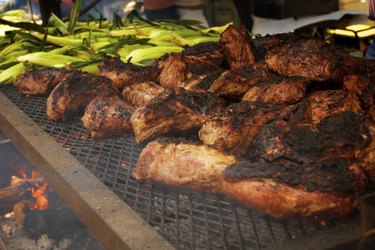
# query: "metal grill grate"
189,220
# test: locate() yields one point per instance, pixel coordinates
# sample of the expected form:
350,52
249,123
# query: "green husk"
11,74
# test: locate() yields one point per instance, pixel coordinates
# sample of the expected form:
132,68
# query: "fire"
37,188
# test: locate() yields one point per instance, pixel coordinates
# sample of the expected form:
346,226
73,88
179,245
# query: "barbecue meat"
107,115
319,191
237,47
327,124
186,72
278,90
209,52
281,192
235,129
139,94
182,164
42,82
174,110
364,87
312,58
235,83
124,74
74,93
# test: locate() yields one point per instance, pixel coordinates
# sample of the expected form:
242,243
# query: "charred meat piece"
185,72
107,115
233,84
265,43
327,124
237,47
174,110
182,164
139,94
73,94
318,191
312,58
235,129
363,86
42,82
279,191
278,90
124,74
210,52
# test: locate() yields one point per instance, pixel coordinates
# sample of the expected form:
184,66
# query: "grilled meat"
235,83
174,110
364,87
278,90
186,72
42,82
237,47
327,124
312,58
319,191
235,129
210,52
73,94
182,164
124,74
281,192
107,115
139,94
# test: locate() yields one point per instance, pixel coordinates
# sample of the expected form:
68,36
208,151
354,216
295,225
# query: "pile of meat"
283,124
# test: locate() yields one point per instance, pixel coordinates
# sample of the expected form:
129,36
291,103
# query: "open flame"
37,187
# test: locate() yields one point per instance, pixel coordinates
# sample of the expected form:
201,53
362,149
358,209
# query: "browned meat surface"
235,83
280,192
107,115
124,74
364,87
237,47
235,129
174,110
182,164
42,82
209,52
318,191
139,94
325,125
278,90
186,72
73,94
312,58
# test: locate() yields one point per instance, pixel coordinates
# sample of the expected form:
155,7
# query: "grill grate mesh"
189,220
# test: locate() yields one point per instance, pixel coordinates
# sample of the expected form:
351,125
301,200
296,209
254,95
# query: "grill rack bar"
188,220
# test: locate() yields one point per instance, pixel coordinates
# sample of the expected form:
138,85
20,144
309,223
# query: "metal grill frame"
187,220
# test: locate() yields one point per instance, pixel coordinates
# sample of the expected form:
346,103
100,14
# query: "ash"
13,236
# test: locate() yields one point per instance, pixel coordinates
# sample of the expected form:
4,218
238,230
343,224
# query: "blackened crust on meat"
107,116
174,110
332,175
335,136
124,74
202,48
71,96
237,47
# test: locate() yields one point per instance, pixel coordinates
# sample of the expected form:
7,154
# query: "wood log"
9,196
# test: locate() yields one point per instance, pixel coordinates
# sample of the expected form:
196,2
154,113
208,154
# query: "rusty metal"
105,215
188,220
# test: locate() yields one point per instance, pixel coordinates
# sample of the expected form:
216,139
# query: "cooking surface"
189,220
